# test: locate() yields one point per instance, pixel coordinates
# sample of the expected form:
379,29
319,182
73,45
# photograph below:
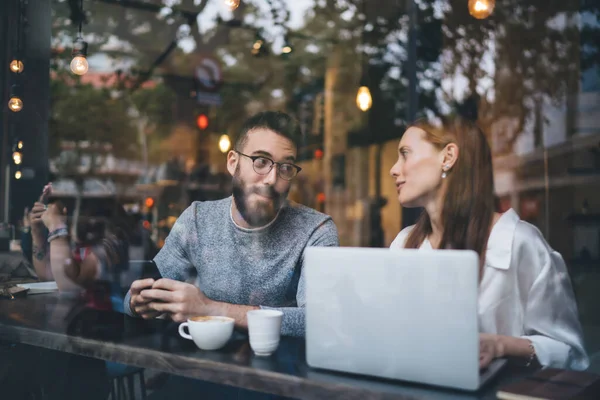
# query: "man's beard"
259,213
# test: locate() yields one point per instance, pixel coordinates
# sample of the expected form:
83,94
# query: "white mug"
264,330
208,333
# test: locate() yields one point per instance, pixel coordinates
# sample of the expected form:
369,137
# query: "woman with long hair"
526,303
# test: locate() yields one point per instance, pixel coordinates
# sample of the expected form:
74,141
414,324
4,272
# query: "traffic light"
320,202
148,215
318,154
202,122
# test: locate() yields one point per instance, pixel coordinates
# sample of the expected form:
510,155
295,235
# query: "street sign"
209,78
208,99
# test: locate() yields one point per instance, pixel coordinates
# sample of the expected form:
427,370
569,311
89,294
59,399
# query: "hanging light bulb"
481,9
17,66
287,46
258,47
79,64
364,101
15,104
17,157
232,4
20,145
224,143
18,175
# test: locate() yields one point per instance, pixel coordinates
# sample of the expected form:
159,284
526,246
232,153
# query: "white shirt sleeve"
551,319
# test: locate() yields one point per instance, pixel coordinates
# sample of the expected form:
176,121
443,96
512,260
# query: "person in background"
526,303
88,269
96,256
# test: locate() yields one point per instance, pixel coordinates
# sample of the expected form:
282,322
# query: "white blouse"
526,292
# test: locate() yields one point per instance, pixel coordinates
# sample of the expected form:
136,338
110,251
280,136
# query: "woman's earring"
444,174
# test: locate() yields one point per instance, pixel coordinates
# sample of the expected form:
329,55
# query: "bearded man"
247,249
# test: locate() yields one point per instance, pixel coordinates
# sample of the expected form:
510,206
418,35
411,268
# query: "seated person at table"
100,252
90,270
247,250
526,304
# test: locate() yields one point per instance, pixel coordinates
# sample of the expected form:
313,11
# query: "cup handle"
182,327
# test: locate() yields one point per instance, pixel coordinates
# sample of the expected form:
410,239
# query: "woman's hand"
38,209
26,221
490,348
54,218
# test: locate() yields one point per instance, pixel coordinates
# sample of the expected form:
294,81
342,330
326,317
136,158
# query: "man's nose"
271,177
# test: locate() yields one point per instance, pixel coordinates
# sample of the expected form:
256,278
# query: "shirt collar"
499,247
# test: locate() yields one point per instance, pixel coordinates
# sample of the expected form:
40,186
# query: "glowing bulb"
17,158
18,175
286,50
224,143
363,98
481,9
232,4
15,104
79,65
20,144
17,66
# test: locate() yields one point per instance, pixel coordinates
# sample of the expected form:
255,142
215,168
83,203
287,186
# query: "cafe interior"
129,127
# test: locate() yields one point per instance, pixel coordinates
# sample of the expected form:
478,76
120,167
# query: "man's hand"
138,305
179,299
490,348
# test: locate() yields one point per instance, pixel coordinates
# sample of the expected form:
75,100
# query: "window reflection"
125,136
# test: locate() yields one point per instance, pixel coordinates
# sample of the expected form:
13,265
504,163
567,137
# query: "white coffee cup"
209,333
264,330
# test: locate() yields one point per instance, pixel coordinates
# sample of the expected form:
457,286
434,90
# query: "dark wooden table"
59,323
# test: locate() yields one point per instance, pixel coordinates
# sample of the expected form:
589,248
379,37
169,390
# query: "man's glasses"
263,165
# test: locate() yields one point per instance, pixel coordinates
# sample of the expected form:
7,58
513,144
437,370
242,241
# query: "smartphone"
150,270
46,192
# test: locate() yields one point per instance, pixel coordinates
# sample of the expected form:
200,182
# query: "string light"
258,44
258,47
224,143
18,175
481,9
17,66
364,101
79,64
17,157
20,145
287,47
232,4
15,104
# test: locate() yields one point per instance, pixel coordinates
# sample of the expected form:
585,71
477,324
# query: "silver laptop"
399,314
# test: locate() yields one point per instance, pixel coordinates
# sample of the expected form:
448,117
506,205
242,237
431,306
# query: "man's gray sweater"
260,267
